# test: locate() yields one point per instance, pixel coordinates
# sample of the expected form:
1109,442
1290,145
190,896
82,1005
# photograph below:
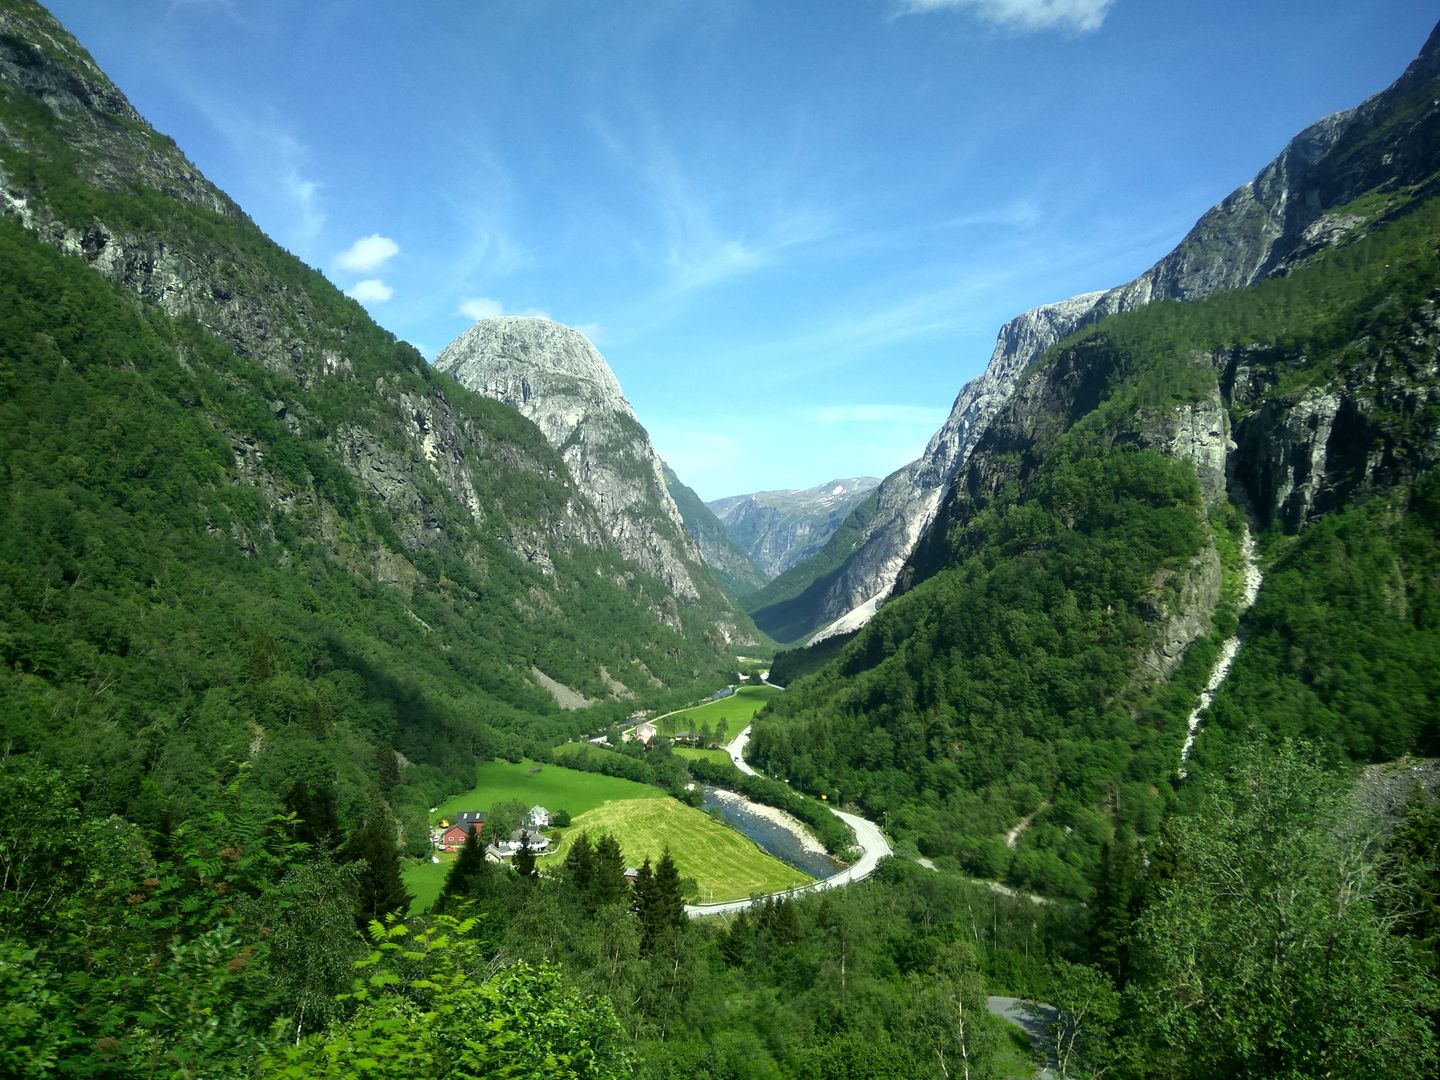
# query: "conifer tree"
641,892
387,766
316,821
525,859
608,884
579,867
468,874
1112,909
666,910
380,888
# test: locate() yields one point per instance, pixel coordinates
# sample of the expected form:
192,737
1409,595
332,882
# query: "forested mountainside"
780,529
1296,206
732,566
246,530
1059,617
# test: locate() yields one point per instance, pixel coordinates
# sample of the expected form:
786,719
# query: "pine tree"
665,911
380,888
525,859
316,821
642,891
579,867
468,874
607,886
1112,910
387,767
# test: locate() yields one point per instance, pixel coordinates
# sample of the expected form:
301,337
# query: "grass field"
424,880
553,787
692,753
737,711
724,864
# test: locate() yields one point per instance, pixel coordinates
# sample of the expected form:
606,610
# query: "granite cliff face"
553,376
1296,206
779,529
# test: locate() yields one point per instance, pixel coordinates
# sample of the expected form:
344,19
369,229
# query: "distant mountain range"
779,529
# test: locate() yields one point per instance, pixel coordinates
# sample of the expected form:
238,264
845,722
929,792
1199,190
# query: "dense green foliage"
1014,678
165,619
1369,691
993,688
1267,949
791,664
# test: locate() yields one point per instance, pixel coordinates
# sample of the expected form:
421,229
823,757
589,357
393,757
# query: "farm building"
452,837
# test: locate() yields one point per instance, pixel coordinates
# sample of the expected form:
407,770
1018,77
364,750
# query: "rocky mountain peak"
516,358
557,379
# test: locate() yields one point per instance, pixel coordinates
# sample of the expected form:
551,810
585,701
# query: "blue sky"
793,227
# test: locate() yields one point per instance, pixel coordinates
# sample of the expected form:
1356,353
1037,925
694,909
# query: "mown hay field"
724,864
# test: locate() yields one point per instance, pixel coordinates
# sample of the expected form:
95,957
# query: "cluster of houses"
448,836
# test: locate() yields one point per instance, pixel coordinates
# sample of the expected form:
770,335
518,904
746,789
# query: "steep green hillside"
245,529
1029,666
731,566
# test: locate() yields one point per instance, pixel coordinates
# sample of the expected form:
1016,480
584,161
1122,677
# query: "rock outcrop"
557,379
1296,206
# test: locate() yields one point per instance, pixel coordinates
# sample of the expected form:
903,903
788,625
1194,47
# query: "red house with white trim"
452,837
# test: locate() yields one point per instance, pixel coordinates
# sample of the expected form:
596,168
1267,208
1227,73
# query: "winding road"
868,838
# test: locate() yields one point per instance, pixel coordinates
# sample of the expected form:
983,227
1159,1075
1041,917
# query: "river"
800,851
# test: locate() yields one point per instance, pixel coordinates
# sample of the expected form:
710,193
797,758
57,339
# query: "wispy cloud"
276,160
482,207
1079,15
1021,213
704,244
484,307
919,415
370,291
367,254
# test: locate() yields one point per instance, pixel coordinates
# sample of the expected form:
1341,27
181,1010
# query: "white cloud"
920,415
367,254
714,231
1020,214
370,291
483,307
1081,15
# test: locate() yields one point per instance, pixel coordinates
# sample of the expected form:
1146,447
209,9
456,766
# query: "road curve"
868,838
1033,1018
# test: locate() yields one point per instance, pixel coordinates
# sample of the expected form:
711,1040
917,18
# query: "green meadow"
551,786
737,710
724,864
